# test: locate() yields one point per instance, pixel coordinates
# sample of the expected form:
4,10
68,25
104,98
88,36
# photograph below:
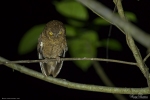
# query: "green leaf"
72,9
84,46
100,21
91,36
112,45
75,23
29,40
70,31
131,16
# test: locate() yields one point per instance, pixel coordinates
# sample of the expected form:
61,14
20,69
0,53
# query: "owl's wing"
40,55
59,65
45,68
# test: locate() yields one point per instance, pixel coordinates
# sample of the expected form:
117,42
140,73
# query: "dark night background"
19,16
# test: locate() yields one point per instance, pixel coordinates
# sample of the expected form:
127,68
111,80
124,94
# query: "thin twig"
146,57
73,85
69,59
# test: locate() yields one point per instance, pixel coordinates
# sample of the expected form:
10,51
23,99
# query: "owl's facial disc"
54,34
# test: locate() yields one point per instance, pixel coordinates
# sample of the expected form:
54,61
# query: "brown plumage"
52,44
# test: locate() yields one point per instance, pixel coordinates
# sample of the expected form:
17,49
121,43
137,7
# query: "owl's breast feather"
53,48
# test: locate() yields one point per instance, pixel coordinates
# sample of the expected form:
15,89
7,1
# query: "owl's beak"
56,35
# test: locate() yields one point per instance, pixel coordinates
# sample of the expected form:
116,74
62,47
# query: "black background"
19,16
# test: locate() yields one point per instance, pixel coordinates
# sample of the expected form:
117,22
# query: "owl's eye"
50,33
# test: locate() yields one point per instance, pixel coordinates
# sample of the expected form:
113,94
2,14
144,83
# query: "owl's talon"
46,60
58,59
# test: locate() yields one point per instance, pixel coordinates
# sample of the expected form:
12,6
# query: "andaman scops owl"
52,44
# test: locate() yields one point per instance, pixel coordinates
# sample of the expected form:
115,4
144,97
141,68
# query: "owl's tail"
51,68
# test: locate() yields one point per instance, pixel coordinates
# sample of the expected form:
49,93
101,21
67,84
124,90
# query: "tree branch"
69,59
65,83
140,63
102,11
128,30
146,57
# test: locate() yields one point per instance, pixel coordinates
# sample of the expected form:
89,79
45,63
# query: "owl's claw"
46,60
58,59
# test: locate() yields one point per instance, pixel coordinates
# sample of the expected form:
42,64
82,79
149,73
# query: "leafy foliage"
84,46
113,44
29,40
131,16
82,42
72,9
100,21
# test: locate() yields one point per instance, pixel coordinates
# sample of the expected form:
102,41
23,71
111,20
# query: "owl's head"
54,29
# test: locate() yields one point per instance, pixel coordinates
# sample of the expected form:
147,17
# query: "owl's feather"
52,67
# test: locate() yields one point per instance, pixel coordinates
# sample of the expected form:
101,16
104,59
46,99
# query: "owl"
52,44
